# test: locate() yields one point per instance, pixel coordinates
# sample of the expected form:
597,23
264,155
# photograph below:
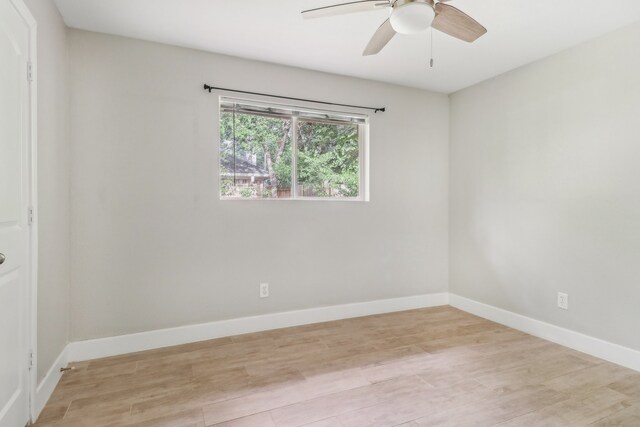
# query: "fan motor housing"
411,16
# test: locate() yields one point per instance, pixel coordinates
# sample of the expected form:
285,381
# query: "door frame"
32,229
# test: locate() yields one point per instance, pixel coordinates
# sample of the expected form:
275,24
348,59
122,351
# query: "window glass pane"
328,159
258,163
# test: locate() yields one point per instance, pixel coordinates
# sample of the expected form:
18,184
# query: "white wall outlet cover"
563,301
264,290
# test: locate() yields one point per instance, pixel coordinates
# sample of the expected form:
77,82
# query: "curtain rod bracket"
375,109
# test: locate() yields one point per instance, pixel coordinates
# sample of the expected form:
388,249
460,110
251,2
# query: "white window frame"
363,154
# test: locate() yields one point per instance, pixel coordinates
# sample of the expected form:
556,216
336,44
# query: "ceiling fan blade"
344,8
457,24
382,36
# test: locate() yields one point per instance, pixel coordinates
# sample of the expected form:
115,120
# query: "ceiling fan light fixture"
412,16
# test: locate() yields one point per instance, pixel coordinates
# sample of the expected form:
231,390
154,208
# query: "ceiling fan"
407,17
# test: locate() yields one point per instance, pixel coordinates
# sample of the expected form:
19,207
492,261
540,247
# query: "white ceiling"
520,31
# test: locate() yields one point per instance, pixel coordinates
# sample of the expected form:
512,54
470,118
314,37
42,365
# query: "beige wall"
53,185
152,245
545,189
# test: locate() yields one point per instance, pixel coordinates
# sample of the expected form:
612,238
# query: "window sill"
299,199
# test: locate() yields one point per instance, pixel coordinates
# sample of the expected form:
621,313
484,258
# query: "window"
279,152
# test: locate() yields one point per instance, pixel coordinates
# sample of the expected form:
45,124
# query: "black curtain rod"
375,110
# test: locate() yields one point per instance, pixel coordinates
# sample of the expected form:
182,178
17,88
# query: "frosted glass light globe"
411,18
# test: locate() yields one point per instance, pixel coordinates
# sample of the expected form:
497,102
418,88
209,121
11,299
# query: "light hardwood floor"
428,367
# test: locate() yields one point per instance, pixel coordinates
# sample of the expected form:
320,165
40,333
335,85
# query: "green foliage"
328,154
328,158
226,186
246,192
283,168
255,134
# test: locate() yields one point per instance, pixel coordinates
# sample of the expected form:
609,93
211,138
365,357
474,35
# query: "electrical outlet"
264,290
563,301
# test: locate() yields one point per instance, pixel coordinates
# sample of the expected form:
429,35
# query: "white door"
14,232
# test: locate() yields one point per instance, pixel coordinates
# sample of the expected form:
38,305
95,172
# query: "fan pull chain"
431,60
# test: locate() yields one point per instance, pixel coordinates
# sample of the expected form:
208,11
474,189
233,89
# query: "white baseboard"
112,346
49,383
611,352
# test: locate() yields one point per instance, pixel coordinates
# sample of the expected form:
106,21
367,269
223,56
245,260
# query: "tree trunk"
286,127
273,179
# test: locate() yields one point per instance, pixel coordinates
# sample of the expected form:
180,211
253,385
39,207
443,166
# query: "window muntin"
279,152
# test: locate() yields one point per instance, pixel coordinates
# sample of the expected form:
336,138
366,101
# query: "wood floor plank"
493,407
626,417
329,422
585,380
335,404
53,412
428,367
190,418
417,404
262,419
289,394
575,411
